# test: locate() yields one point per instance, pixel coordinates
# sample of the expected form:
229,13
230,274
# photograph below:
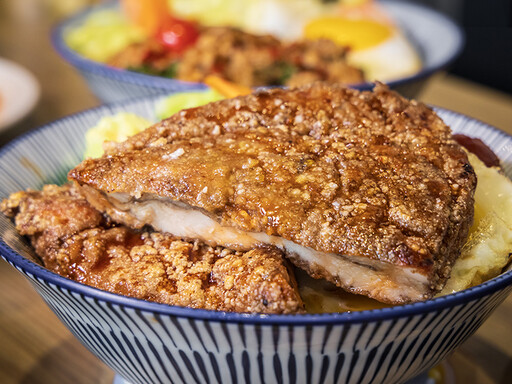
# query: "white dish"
19,93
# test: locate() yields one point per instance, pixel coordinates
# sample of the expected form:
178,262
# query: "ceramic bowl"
437,39
146,342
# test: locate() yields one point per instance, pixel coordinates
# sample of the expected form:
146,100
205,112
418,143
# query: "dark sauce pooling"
479,148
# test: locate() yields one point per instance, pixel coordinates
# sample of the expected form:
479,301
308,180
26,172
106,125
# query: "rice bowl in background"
437,39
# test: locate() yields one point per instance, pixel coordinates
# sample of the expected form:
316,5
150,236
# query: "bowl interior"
46,155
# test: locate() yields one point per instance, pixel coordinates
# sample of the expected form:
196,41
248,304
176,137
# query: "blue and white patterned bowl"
146,342
438,40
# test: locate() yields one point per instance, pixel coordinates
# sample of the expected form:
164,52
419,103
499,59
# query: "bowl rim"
38,272
168,84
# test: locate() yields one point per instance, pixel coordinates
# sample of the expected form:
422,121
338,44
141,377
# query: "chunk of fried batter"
76,241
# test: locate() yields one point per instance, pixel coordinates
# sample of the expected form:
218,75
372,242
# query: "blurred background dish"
19,93
435,39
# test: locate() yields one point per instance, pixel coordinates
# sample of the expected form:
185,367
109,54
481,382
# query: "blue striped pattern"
111,89
146,347
438,40
153,343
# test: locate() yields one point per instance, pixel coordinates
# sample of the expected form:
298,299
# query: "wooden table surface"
36,348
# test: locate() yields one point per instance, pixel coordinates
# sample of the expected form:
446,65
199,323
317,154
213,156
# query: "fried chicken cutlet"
365,189
76,241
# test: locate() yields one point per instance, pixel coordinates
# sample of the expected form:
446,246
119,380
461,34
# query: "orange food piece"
147,14
226,88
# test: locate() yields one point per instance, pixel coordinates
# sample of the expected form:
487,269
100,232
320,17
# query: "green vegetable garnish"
278,72
148,69
175,103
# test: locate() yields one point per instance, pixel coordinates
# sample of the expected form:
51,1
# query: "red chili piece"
177,35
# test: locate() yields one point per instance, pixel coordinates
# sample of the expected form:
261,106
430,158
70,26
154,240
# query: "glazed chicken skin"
365,189
76,241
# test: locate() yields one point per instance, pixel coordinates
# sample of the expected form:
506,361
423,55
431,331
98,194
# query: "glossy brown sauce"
130,240
321,296
479,148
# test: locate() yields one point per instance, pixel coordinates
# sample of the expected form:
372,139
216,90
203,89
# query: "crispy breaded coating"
74,240
48,217
363,179
262,60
